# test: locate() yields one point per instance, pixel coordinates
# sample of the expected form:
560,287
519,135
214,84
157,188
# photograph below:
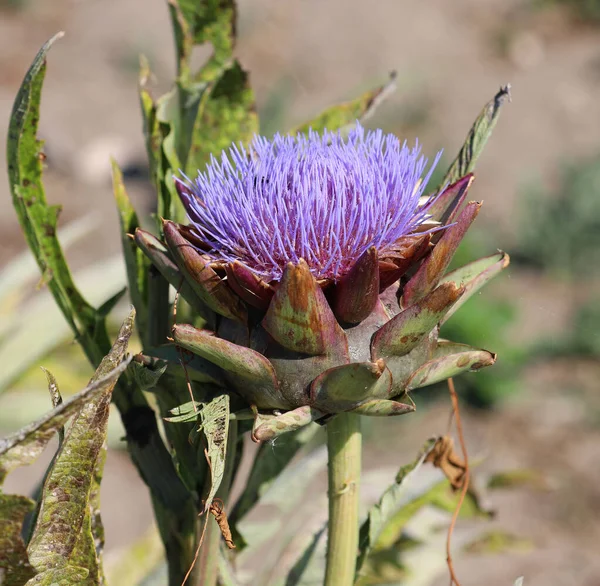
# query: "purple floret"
323,198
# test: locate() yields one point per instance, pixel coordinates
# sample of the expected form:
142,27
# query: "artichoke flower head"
320,269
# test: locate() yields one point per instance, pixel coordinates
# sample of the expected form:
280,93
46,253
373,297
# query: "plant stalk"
344,442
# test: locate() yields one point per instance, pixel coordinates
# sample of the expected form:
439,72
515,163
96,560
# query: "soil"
451,57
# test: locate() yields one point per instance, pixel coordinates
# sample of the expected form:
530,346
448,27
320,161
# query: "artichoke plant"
319,268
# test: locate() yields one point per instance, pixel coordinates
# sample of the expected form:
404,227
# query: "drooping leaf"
23,447
382,535
342,116
478,135
215,425
67,532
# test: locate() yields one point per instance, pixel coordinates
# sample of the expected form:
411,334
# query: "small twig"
465,485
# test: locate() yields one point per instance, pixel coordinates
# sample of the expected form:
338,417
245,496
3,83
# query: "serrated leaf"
476,139
342,116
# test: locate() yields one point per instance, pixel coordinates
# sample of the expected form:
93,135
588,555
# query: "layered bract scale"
320,271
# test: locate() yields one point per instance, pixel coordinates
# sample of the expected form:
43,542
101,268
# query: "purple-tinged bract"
323,198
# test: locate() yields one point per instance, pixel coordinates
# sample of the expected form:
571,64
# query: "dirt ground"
451,57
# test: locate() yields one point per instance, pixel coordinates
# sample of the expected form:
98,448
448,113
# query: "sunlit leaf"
476,139
342,116
67,532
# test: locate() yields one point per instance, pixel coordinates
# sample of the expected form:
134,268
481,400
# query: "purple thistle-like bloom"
323,198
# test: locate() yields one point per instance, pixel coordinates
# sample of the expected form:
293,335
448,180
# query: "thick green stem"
344,449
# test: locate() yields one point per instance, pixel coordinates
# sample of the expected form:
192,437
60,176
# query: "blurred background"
538,410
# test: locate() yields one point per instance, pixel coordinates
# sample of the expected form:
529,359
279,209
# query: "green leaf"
64,575
344,115
308,569
392,501
56,399
13,554
24,446
21,346
38,219
278,503
474,276
135,260
268,465
159,123
63,536
209,21
226,114
387,548
496,542
476,139
147,377
215,425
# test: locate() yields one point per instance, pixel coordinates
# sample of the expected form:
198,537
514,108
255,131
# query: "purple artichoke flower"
321,198
319,268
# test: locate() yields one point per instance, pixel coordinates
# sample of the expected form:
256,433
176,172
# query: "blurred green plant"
587,11
190,467
559,230
581,339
